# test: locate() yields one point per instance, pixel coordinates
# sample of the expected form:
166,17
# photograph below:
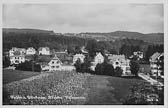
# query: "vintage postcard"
84,53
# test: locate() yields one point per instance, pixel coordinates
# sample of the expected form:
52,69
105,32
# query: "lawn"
96,89
15,75
109,90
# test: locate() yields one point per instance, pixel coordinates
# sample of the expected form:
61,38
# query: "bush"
29,66
109,70
6,62
144,94
118,71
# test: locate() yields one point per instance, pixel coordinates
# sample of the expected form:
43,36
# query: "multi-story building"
156,64
44,51
30,51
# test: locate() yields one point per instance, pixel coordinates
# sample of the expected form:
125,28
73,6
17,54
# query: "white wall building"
55,64
78,56
154,63
30,51
120,61
99,58
17,59
44,51
14,49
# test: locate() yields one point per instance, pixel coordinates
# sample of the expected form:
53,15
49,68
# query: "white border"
165,2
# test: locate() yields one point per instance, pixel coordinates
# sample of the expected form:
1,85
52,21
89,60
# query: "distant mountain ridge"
7,30
156,38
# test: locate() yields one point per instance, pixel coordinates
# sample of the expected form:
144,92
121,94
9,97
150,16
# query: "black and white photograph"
83,54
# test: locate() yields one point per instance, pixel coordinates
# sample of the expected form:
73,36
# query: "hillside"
157,38
14,30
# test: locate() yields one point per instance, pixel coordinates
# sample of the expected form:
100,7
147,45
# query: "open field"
92,89
109,90
15,75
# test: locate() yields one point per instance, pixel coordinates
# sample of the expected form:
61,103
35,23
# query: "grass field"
15,75
109,90
97,89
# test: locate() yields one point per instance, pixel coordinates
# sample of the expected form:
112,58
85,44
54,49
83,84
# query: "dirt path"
100,93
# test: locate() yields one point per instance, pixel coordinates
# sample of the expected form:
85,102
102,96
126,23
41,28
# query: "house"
120,61
21,50
44,51
65,57
30,51
137,54
99,58
17,57
80,57
156,64
55,64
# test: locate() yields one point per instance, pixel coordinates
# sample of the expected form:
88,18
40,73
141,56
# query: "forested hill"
24,31
60,42
156,38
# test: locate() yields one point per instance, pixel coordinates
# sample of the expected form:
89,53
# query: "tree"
78,65
27,66
134,67
109,70
99,69
118,71
6,61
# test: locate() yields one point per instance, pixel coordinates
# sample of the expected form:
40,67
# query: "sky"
76,18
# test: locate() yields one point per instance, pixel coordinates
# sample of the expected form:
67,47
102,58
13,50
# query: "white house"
44,51
55,64
155,61
99,58
78,56
21,50
17,58
30,51
120,61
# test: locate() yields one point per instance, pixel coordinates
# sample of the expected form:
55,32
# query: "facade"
30,51
17,55
138,54
14,49
17,58
78,56
55,64
44,51
155,64
99,58
120,61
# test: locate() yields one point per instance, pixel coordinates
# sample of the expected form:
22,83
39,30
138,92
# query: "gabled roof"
47,48
154,57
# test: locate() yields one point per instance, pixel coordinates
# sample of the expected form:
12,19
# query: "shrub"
29,66
118,71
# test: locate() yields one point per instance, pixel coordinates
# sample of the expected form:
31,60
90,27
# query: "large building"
156,64
17,55
80,57
17,58
14,49
120,61
44,51
30,51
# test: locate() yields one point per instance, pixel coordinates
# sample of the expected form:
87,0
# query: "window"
52,62
57,66
52,66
